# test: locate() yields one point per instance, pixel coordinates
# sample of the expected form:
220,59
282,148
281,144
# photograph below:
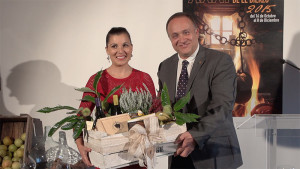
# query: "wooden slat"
7,129
18,129
28,141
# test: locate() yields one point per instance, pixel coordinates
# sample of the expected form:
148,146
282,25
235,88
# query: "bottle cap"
97,101
115,99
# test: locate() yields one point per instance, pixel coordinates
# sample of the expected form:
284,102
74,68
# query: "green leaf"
60,123
72,112
85,89
51,109
182,118
112,92
78,128
89,98
96,80
165,98
78,110
69,125
182,102
168,109
75,111
80,117
179,121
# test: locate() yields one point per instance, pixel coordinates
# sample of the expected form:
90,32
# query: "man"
210,76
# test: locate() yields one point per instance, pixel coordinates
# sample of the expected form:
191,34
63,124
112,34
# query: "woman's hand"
83,151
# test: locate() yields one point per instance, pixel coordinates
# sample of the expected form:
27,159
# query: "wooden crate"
110,151
123,159
15,126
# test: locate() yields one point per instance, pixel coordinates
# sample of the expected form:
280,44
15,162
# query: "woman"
119,51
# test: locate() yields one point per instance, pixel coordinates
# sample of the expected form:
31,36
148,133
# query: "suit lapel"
172,79
199,60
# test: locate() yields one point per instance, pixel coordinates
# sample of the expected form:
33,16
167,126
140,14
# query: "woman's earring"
108,58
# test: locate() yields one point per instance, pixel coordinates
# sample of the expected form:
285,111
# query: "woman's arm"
83,151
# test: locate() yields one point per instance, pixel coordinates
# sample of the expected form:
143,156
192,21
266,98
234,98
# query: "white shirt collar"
191,61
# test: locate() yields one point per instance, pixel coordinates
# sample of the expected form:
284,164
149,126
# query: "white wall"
50,47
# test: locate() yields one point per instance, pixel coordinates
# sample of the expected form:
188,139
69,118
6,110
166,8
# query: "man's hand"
186,144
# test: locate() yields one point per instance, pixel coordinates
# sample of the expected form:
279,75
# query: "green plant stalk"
96,81
165,98
78,128
56,108
180,118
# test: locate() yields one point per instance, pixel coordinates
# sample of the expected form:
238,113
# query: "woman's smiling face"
119,49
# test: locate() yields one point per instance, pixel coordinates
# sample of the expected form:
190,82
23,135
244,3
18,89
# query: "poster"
251,32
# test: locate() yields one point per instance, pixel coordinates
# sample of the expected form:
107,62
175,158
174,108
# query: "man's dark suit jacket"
212,83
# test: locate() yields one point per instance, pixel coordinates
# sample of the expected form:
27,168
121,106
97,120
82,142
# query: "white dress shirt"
191,61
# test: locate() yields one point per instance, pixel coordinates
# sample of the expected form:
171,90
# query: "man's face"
183,35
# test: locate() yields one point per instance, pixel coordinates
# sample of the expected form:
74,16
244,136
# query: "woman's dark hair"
116,31
181,14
